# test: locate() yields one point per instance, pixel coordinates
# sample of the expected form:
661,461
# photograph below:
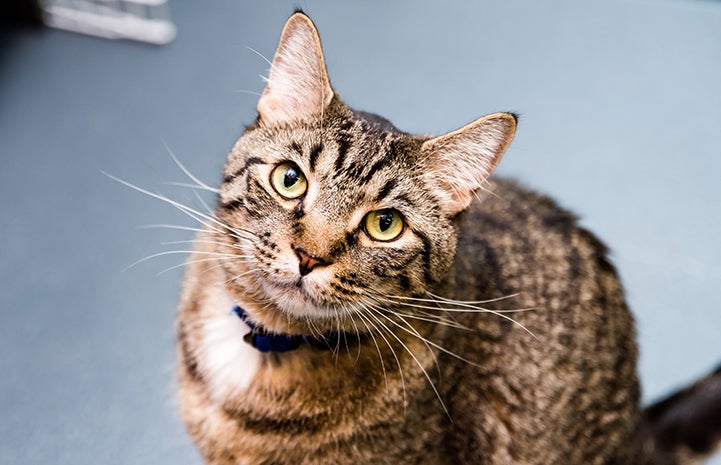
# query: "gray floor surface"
621,122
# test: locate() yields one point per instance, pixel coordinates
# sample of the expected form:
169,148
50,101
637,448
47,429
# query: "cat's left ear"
461,161
298,85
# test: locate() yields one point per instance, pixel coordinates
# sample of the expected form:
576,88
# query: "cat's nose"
306,261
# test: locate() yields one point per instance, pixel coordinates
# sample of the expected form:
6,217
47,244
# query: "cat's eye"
288,180
383,225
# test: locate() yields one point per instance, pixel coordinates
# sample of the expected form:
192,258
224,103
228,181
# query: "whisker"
363,319
473,302
202,202
191,212
350,311
188,186
437,298
191,241
464,308
393,353
472,309
183,208
432,319
200,183
174,252
486,187
238,276
171,226
415,333
187,263
251,92
415,359
412,331
337,343
270,63
201,241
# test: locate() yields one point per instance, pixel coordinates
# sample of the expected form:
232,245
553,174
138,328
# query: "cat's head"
333,209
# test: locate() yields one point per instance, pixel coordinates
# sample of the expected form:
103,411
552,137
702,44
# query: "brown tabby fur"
426,380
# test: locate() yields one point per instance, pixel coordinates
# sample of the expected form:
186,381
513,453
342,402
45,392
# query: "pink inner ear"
461,167
461,199
462,160
457,198
275,109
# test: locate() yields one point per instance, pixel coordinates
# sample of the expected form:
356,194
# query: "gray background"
621,121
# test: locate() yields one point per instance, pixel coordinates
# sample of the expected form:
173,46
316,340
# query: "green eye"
383,225
288,180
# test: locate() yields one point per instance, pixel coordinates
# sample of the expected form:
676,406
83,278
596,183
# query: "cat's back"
517,240
560,348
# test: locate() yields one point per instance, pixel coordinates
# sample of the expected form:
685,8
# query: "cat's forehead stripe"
296,147
385,190
314,153
373,170
344,139
248,163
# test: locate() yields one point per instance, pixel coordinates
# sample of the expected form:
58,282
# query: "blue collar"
265,341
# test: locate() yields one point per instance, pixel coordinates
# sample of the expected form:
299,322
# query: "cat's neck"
266,341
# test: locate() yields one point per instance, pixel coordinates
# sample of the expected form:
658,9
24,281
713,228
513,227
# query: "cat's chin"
297,301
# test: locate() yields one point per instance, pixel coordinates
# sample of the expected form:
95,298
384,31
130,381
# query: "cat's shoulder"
510,215
508,202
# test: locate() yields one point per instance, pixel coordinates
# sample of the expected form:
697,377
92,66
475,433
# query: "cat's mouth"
297,298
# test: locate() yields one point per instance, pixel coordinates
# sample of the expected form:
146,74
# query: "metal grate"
142,20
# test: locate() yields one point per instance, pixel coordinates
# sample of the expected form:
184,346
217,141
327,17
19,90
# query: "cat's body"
523,404
306,240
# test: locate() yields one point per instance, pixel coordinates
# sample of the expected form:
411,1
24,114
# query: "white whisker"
464,308
437,298
434,319
174,252
270,63
202,202
427,341
191,212
393,353
251,92
236,277
486,186
189,186
171,226
410,329
201,241
200,183
349,312
375,343
415,359
200,260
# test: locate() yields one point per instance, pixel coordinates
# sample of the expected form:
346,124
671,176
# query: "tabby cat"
366,296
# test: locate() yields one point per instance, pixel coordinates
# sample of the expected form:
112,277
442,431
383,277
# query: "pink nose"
307,262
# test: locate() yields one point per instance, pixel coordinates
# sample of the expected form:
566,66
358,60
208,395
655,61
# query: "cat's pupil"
385,220
290,178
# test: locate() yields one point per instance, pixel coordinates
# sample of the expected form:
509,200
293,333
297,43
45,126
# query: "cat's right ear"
298,86
461,161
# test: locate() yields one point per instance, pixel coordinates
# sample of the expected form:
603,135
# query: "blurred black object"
20,13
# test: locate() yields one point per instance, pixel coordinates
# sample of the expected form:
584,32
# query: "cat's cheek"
280,269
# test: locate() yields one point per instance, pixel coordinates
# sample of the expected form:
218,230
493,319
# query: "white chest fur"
229,362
